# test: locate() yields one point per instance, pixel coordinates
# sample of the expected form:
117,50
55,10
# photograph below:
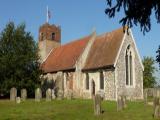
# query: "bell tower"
49,38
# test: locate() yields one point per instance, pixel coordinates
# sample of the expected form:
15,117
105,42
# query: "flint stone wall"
135,91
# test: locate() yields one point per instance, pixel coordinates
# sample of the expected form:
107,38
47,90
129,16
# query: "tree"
19,66
149,79
136,12
158,56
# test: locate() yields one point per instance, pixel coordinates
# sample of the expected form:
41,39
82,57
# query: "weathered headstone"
97,104
59,85
53,94
18,100
121,103
48,94
156,108
145,96
23,94
60,95
124,100
158,93
38,94
13,94
157,112
70,95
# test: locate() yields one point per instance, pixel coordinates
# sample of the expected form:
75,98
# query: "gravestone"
121,103
156,108
97,104
69,95
124,100
38,94
60,95
53,94
158,93
23,94
59,85
48,94
145,96
18,100
13,94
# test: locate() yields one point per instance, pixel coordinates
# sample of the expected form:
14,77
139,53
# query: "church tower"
49,38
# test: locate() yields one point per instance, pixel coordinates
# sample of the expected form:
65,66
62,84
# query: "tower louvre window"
42,36
53,36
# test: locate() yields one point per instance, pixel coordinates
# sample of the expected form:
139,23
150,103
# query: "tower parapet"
49,38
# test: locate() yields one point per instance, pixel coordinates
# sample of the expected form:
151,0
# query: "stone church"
108,63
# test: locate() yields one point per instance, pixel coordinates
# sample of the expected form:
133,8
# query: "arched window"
129,66
53,36
131,69
127,77
101,80
87,81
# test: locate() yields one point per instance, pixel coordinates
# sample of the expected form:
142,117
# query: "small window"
42,36
101,81
127,77
131,69
53,36
87,81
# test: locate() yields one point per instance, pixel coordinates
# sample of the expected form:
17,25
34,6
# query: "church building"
108,63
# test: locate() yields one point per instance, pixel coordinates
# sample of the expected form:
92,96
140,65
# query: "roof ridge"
115,30
75,40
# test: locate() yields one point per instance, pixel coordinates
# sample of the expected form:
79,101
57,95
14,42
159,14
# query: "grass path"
71,110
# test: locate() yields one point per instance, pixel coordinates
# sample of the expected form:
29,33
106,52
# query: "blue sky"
77,18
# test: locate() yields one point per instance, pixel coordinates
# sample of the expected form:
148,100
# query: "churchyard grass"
72,110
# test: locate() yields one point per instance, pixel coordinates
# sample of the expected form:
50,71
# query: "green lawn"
71,110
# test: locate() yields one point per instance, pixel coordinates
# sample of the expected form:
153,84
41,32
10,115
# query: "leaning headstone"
18,100
23,94
48,94
13,94
38,94
156,108
157,112
53,94
97,104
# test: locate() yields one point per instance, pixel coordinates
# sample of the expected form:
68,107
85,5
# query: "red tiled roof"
104,50
65,56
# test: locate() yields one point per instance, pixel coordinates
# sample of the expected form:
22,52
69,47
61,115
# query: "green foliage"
19,66
136,12
158,56
148,74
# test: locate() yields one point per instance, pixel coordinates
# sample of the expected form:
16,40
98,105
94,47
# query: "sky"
77,18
